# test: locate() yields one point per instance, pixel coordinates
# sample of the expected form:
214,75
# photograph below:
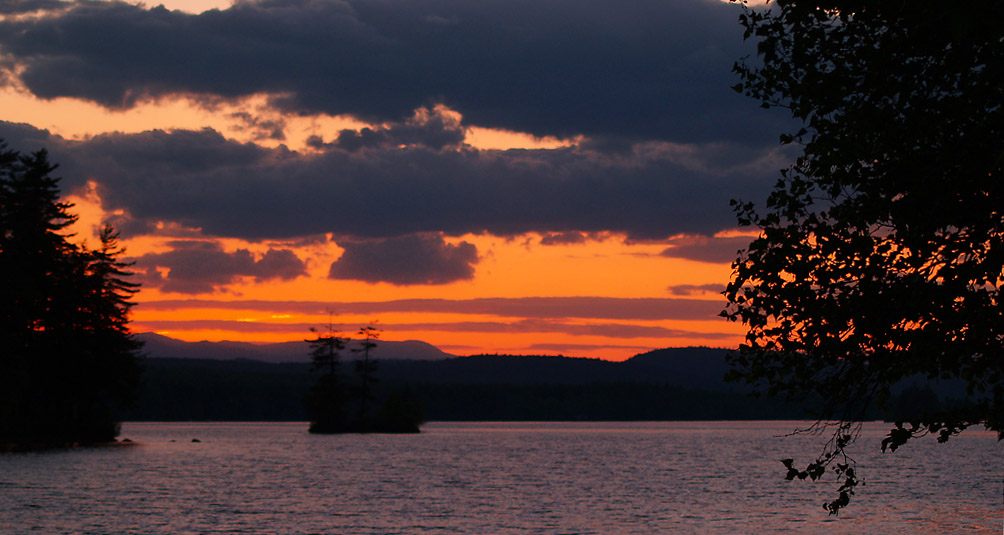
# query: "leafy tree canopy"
881,249
67,359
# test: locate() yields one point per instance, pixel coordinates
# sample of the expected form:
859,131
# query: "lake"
495,478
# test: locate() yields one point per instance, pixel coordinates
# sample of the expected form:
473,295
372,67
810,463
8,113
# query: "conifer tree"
69,361
326,400
366,370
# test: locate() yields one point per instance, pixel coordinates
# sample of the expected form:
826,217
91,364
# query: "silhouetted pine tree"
366,371
68,360
326,400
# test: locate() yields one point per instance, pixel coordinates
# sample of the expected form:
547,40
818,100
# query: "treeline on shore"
251,391
466,389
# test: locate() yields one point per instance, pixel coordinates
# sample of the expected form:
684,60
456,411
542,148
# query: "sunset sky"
502,176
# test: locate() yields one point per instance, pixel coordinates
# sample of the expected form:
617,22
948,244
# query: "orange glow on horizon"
475,343
509,268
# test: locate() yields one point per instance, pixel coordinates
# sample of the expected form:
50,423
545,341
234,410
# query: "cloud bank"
200,179
648,69
661,142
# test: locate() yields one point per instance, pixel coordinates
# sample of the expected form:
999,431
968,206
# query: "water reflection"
602,478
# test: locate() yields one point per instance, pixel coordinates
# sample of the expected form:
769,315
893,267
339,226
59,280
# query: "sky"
512,176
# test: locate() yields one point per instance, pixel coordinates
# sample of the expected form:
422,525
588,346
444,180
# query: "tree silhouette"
69,361
881,250
326,400
366,371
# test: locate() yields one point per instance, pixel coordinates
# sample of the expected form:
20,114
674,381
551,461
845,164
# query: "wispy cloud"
533,326
583,348
715,250
554,308
695,289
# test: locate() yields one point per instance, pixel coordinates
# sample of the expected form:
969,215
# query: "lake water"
494,478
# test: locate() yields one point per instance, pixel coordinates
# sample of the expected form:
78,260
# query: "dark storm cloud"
707,249
12,7
646,69
200,179
406,260
200,266
547,308
25,138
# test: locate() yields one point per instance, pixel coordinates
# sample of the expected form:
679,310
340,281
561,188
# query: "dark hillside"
695,367
662,385
505,369
221,390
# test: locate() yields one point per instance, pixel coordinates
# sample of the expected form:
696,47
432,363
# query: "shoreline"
31,447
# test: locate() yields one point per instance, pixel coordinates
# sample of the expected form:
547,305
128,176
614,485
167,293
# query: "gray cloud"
261,128
695,289
200,179
201,266
563,238
707,249
648,69
549,308
407,260
609,330
428,129
237,326
583,348
12,7
612,330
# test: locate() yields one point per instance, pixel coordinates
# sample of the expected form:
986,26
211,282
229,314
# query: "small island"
339,404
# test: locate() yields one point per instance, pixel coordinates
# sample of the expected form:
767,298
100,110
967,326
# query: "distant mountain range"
159,346
691,367
252,382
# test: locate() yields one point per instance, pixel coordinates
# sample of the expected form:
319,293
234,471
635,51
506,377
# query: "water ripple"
525,478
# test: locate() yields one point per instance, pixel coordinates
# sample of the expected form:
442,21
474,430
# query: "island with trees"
340,404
